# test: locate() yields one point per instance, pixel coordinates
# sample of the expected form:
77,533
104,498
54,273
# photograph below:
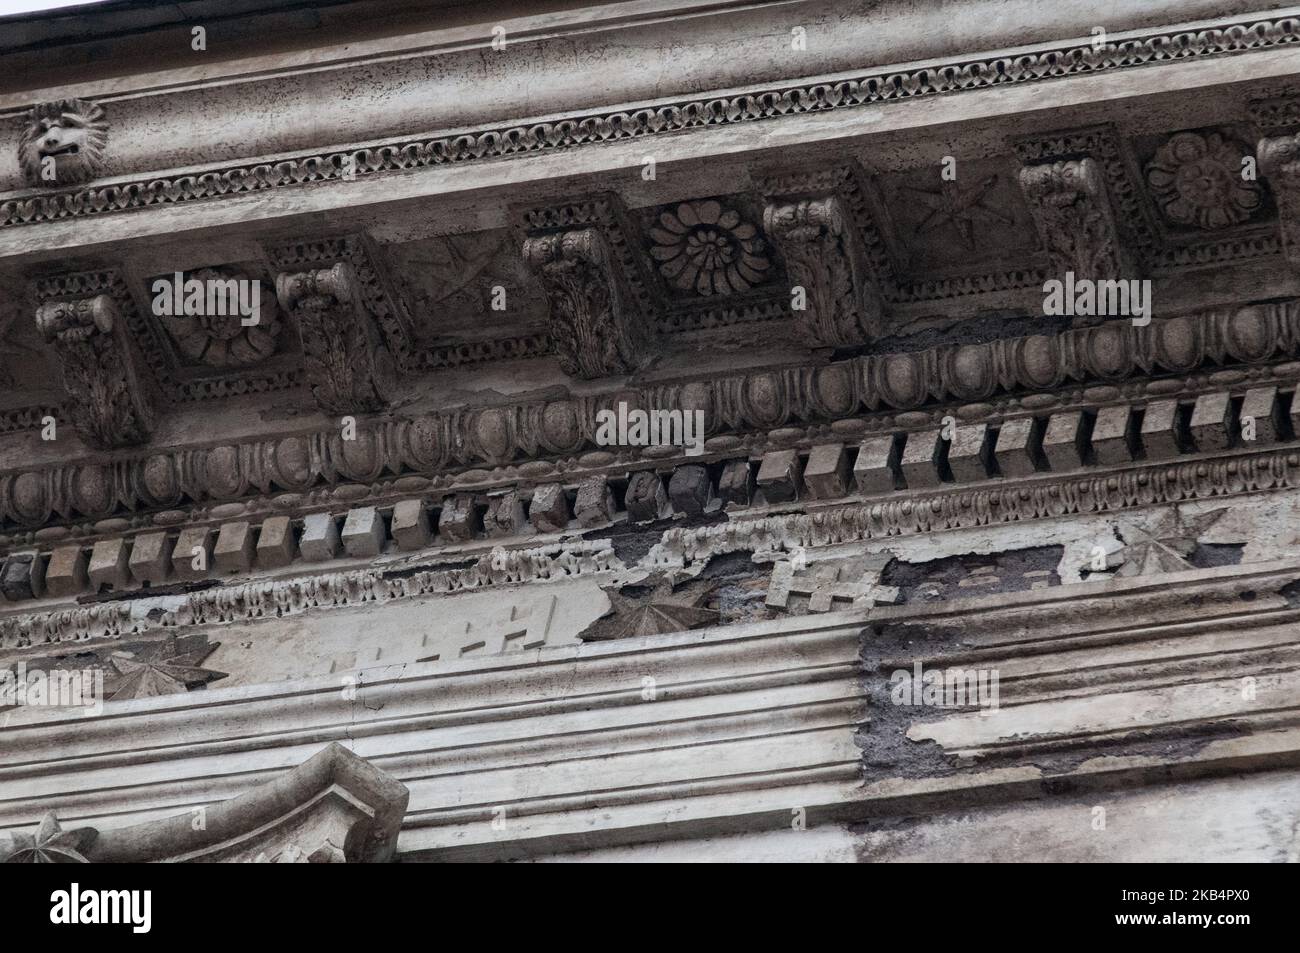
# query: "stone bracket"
1072,209
597,326
348,365
824,255
1279,161
108,400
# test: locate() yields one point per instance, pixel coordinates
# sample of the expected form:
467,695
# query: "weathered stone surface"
410,525
736,485
363,532
151,558
594,505
108,564
1261,411
459,519
1159,431
780,476
65,574
876,468
821,290
1018,448
827,472
970,453
549,509
22,576
645,498
320,537
275,542
1065,442
192,555
505,514
1212,422
235,547
919,463
689,489
1112,436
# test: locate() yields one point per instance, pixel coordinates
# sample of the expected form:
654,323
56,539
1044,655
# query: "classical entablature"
825,231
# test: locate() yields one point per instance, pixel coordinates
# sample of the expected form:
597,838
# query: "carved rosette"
1072,210
823,256
224,340
107,399
708,249
1197,180
1279,159
348,366
592,324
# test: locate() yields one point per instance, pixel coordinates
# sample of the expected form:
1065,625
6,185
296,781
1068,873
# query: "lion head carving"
63,143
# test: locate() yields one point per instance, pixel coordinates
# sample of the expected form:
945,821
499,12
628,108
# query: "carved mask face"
63,143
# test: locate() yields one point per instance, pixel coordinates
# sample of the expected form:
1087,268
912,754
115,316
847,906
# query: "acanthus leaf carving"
108,400
1279,160
592,323
1071,207
823,256
348,366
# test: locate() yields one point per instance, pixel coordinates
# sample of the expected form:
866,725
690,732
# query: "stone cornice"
667,730
781,695
853,519
548,440
864,89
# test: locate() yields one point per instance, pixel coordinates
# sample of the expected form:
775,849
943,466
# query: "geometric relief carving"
1279,159
1072,210
593,327
335,807
63,143
823,254
345,360
107,399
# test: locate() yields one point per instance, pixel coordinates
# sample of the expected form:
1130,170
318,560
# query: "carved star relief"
660,612
959,207
165,671
51,844
1167,545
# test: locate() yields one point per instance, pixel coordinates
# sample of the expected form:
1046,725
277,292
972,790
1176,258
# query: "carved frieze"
594,328
348,366
941,77
1072,210
822,251
108,400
